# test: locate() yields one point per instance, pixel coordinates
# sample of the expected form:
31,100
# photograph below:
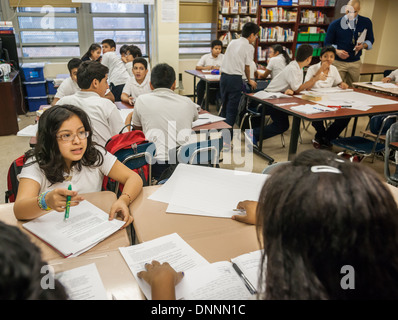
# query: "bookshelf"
305,21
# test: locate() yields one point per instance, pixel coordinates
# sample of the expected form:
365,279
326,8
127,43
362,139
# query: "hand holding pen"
57,198
250,208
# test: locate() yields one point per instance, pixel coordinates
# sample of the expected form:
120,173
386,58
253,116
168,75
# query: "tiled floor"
12,147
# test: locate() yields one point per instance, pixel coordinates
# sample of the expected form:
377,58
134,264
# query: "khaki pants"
349,71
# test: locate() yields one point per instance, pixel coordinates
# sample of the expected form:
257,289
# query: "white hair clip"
321,169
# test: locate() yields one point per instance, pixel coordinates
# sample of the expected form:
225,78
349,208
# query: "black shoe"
316,144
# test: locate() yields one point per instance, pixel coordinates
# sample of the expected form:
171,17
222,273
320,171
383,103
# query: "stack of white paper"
270,95
206,118
208,191
312,108
212,76
385,85
29,131
86,227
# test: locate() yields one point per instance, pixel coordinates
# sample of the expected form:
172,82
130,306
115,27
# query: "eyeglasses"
82,135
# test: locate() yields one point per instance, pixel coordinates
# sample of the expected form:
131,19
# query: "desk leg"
194,89
294,138
207,97
354,126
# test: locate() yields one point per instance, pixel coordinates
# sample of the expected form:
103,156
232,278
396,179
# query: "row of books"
234,23
238,6
227,37
276,34
309,16
6,27
311,30
278,15
263,54
318,3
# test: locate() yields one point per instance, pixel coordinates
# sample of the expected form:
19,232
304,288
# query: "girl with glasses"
66,155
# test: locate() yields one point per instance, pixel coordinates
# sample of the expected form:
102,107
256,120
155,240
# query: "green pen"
68,198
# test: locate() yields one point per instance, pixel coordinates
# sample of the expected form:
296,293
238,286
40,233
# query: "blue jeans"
280,123
231,87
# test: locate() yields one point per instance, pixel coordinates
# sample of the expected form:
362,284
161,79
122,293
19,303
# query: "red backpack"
123,145
12,179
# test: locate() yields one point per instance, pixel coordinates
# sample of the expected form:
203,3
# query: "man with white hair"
346,35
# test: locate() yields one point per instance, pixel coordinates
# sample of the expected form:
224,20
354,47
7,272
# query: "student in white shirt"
164,116
209,61
278,61
93,53
289,81
133,52
118,75
65,154
323,136
392,77
104,115
68,86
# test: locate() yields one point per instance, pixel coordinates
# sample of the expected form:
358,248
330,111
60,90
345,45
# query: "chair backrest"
379,124
271,167
391,136
12,179
202,152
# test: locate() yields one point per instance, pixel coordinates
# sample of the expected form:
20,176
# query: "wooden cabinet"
11,104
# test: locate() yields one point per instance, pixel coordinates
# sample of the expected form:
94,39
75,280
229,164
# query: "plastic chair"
271,167
205,152
391,136
366,147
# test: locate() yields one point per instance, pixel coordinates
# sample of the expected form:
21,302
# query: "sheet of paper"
330,90
29,131
361,39
355,99
83,283
169,10
250,264
212,76
221,188
171,248
312,109
385,85
216,281
270,95
87,225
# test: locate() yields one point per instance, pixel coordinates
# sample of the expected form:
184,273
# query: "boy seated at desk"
164,116
118,75
106,121
289,81
323,136
392,77
137,85
133,52
209,61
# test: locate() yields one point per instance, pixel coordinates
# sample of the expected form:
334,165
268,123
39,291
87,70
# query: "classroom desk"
102,200
372,69
202,76
366,86
216,239
297,117
119,282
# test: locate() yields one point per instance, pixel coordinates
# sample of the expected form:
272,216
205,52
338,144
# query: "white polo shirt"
208,60
239,54
333,78
134,89
290,78
67,88
117,70
394,75
276,65
86,180
166,119
105,117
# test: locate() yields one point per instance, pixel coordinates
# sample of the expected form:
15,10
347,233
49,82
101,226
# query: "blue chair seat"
359,145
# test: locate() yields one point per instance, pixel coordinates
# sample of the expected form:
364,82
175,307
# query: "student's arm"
265,74
110,96
126,99
251,208
343,86
162,278
54,102
199,68
251,82
26,204
387,80
128,120
319,75
132,187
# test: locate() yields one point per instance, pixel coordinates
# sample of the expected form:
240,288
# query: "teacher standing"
343,34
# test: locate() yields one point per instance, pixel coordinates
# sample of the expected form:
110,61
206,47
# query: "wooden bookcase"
290,21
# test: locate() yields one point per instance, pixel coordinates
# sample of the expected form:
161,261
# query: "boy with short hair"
138,84
157,112
289,81
92,78
209,61
118,75
68,86
236,63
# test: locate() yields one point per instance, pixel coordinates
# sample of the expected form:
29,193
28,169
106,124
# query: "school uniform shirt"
253,69
333,78
118,74
208,60
290,78
106,120
129,68
276,65
134,89
394,75
88,180
67,88
239,54
166,119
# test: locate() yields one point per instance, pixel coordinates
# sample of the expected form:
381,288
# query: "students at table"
21,269
279,59
66,155
323,136
317,217
392,77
